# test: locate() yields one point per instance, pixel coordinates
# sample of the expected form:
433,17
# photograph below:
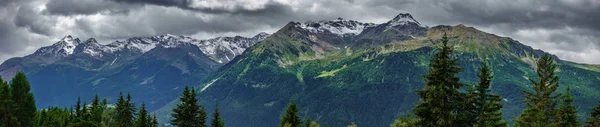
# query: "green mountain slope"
370,84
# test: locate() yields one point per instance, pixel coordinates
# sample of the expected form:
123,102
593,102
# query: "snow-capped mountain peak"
403,19
339,26
224,49
64,47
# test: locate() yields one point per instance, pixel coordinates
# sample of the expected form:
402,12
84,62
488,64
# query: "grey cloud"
86,7
554,14
269,7
569,28
26,17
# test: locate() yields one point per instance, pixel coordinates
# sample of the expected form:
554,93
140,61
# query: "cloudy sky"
568,28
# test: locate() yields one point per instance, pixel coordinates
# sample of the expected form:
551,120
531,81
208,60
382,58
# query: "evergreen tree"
541,102
7,106
307,122
96,110
594,119
567,113
202,116
441,101
188,113
125,110
487,106
23,99
290,118
84,112
217,121
143,119
404,121
78,112
154,121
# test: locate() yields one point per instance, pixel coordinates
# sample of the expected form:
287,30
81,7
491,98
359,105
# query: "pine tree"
143,119
307,122
217,121
594,119
188,113
125,110
7,106
541,103
487,106
441,101
290,118
23,99
96,110
84,112
154,121
567,113
78,113
202,116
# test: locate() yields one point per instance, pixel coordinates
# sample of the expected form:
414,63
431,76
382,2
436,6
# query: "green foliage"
7,106
290,118
143,119
97,108
124,111
541,103
594,119
23,99
567,113
441,100
53,117
487,106
188,113
404,121
217,121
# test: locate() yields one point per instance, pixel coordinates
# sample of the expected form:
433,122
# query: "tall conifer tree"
143,119
217,121
290,118
567,113
23,99
441,100
541,103
594,119
7,106
487,105
125,110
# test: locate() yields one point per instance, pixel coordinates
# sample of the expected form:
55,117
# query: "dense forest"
445,101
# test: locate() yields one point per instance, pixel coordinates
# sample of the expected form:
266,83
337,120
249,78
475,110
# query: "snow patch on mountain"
64,47
403,19
220,49
340,26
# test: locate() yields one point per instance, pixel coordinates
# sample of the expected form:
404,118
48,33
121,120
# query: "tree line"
444,102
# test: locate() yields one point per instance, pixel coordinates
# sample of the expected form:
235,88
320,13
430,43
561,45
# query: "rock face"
344,71
152,69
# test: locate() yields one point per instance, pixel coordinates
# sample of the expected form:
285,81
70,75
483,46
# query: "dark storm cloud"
567,27
269,8
86,7
536,13
32,21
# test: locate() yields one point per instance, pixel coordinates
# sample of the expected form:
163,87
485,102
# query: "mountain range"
152,69
338,72
343,71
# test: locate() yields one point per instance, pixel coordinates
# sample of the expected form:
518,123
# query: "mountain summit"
343,71
150,68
